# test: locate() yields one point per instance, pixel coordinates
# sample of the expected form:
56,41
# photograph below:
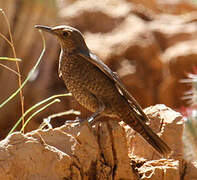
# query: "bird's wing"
92,58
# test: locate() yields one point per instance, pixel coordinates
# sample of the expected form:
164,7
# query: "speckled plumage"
87,83
94,85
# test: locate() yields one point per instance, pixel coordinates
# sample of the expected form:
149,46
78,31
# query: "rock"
24,157
137,87
165,122
190,171
137,43
176,91
172,29
178,60
104,151
162,169
84,14
181,58
68,152
166,6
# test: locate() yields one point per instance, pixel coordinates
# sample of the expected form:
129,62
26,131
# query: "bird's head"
69,37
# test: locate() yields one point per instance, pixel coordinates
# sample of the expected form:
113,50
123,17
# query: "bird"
96,87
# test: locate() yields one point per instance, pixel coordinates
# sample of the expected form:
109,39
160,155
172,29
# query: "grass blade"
10,59
29,75
38,111
35,106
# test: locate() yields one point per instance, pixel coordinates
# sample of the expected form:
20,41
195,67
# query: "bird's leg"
91,119
96,114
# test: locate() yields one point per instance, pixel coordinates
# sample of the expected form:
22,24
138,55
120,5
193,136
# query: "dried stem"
11,43
9,69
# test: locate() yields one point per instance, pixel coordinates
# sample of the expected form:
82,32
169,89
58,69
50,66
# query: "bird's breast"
79,73
74,70
88,84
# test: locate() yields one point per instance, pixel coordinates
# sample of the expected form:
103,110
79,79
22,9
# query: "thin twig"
6,39
47,121
29,75
35,106
37,112
9,69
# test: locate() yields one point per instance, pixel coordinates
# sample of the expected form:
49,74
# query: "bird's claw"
88,120
80,120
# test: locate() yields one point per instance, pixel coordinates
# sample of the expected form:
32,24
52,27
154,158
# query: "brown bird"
96,87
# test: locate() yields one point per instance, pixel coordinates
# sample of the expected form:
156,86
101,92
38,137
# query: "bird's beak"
45,28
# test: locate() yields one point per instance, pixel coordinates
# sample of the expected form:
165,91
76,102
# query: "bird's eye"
65,33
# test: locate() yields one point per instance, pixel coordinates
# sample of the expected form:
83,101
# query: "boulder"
107,150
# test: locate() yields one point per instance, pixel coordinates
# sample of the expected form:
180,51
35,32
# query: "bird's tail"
152,138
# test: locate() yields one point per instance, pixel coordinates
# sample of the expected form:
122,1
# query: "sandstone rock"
136,44
172,29
175,91
68,152
99,152
84,14
152,4
162,169
181,58
24,157
165,122
107,15
178,60
190,171
137,87
167,6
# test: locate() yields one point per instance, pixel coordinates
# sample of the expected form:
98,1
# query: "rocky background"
150,44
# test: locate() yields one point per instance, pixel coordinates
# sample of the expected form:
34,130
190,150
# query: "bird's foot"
81,121
84,121
90,120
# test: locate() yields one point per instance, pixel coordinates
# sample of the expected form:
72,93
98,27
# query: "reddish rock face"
136,39
151,44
